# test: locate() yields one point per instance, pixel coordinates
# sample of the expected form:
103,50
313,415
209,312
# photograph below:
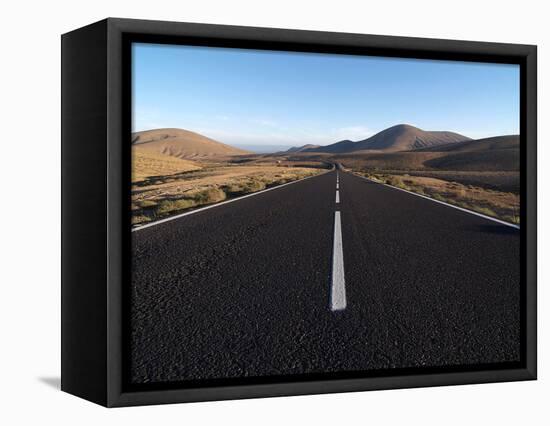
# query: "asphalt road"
247,288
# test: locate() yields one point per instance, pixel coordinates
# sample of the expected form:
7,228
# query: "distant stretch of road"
332,273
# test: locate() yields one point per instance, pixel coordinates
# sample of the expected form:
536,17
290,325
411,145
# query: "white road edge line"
337,196
502,222
211,206
338,287
337,185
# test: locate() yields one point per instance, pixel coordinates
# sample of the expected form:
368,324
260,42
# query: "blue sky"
250,97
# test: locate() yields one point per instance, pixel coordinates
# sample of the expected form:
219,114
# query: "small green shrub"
147,203
511,218
140,219
168,206
233,189
253,186
485,210
210,195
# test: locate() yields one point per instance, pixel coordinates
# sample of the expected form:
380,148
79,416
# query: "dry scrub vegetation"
156,197
498,204
504,181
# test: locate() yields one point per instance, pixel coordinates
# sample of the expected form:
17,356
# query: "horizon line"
309,142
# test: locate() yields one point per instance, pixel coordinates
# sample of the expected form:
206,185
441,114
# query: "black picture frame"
96,113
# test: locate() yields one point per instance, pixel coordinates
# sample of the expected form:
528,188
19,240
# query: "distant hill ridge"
485,144
499,153
183,144
302,148
495,154
402,137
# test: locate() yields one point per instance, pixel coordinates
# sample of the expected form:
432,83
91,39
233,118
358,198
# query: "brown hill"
335,148
402,137
302,148
487,144
500,153
147,163
382,161
486,161
183,144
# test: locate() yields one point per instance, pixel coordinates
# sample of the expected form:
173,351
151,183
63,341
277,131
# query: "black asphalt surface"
243,289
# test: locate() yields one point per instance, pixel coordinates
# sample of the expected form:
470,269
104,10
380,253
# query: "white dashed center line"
338,290
338,284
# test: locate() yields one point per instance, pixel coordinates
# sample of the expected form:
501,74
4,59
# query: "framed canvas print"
253,212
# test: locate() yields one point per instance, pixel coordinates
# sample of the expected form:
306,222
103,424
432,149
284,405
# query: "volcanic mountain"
401,137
